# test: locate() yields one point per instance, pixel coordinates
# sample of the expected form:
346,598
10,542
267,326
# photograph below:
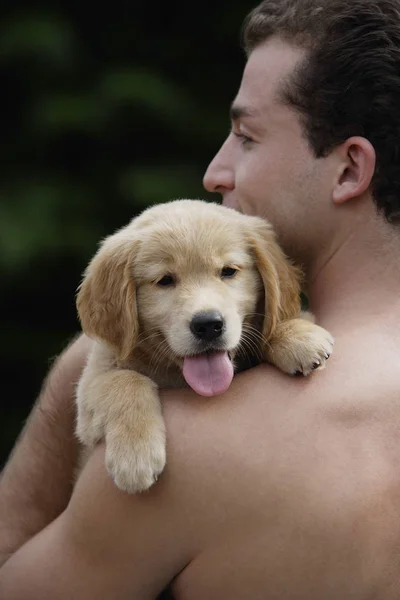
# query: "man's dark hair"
349,82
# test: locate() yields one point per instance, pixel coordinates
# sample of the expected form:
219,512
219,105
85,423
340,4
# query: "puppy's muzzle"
207,326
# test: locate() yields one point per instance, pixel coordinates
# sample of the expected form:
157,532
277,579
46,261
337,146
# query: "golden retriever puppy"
185,294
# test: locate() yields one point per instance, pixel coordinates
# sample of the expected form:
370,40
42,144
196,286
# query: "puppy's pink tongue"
208,374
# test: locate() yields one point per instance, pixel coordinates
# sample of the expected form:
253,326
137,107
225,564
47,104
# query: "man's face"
266,167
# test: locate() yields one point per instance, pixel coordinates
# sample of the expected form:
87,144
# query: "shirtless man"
283,488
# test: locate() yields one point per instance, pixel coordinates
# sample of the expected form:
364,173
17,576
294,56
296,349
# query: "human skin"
283,487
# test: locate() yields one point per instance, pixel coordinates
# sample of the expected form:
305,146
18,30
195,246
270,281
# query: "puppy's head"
183,284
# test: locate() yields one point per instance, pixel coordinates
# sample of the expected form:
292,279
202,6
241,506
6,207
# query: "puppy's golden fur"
138,299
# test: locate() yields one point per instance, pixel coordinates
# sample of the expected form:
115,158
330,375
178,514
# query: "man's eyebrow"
237,112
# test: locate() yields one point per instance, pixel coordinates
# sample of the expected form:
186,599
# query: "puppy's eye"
166,281
228,272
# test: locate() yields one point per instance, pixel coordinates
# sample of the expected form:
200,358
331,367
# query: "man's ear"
356,169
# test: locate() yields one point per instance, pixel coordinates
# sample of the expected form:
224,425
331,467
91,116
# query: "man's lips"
229,202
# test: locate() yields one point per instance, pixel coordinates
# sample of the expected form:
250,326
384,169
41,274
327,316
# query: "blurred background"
106,109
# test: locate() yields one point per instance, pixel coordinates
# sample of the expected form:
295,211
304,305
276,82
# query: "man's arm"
36,484
106,544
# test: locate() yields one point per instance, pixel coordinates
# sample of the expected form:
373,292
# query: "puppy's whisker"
251,326
246,346
243,351
253,315
159,350
166,363
256,333
149,331
161,356
248,343
164,358
169,365
253,337
251,349
159,353
151,336
254,330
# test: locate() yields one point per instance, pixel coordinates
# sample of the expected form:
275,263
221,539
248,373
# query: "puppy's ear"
281,279
106,299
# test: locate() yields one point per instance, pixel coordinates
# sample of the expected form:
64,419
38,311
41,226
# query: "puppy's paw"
89,428
305,349
135,465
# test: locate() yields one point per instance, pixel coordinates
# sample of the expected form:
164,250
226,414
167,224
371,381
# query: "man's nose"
219,176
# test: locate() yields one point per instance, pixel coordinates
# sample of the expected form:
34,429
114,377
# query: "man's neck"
360,279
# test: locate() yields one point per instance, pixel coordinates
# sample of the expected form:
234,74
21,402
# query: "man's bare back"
310,506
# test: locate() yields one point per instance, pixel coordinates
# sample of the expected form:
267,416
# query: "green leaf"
42,38
144,88
61,112
33,223
151,185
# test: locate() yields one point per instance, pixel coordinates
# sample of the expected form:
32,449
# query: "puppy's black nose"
207,326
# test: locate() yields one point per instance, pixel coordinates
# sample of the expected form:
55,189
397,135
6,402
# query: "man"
284,487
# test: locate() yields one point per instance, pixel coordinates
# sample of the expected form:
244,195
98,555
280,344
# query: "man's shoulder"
263,408
256,394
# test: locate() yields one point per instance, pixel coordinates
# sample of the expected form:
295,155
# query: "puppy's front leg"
125,407
134,431
299,346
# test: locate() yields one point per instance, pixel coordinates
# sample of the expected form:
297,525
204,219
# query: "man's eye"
228,272
244,139
166,281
